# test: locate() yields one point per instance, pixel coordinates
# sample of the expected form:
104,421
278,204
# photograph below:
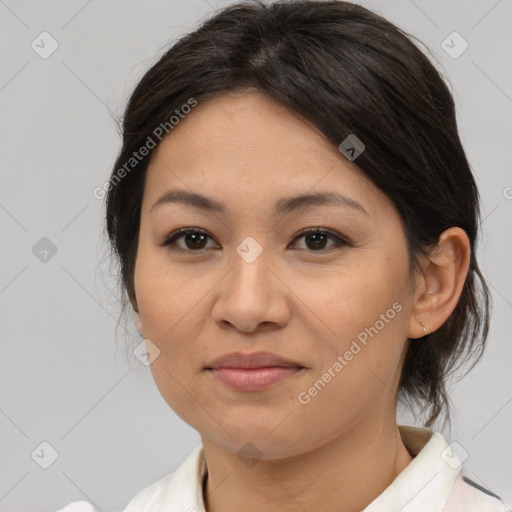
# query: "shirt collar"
424,485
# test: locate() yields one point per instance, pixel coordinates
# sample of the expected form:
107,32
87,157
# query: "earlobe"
442,282
133,301
138,322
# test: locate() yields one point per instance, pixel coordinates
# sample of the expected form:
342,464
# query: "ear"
438,289
138,323
133,301
135,307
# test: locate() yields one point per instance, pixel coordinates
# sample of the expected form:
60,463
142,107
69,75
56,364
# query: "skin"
343,448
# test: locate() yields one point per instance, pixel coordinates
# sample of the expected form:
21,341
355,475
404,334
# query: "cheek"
170,306
162,289
365,317
169,301
359,299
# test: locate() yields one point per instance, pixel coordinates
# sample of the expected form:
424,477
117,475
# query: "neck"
348,473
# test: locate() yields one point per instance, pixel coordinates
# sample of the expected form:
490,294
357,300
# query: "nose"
252,297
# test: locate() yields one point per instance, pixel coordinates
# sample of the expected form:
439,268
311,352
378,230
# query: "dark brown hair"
348,71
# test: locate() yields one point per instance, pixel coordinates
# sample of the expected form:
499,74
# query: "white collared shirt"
432,482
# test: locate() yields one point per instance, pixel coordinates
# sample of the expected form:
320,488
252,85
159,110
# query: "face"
335,301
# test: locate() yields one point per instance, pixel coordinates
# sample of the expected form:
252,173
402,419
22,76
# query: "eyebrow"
284,205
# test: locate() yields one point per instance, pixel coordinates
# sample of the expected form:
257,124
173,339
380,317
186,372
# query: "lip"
254,379
251,360
252,372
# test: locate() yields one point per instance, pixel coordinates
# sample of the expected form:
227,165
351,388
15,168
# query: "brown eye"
194,240
316,239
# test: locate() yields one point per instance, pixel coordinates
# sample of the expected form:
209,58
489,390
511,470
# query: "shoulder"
141,502
153,494
77,506
180,490
469,496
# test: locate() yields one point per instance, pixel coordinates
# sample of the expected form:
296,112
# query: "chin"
259,440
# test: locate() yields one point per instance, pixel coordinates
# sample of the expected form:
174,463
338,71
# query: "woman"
296,224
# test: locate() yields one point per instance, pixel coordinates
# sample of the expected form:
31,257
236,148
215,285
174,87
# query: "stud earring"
424,328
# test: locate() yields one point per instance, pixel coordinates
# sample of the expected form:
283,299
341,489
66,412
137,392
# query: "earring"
424,328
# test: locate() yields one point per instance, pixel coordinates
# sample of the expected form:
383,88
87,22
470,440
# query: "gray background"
64,374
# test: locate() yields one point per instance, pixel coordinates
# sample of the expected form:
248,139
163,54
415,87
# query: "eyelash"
179,233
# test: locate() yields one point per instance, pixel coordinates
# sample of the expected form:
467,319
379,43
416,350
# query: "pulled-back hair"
348,71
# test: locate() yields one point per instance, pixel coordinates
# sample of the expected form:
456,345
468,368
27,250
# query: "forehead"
248,146
236,125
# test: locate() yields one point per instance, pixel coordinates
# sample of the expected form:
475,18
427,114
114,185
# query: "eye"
315,239
194,239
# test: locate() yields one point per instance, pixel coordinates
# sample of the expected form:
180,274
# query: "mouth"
254,379
253,372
